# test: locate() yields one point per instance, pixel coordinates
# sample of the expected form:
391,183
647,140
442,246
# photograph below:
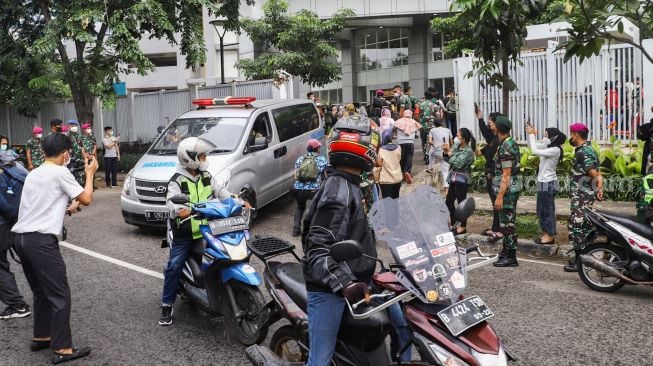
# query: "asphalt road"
545,316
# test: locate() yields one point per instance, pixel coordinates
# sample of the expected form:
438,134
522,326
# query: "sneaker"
15,312
166,315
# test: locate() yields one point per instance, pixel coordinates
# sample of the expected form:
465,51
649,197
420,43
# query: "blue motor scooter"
217,276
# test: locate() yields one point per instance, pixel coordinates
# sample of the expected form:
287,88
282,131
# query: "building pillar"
418,53
551,84
465,89
647,82
349,82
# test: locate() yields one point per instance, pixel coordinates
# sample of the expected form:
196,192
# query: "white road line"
111,260
541,262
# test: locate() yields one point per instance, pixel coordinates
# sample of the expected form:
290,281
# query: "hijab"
556,139
386,141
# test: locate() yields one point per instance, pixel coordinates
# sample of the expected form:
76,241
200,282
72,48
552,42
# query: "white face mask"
67,160
456,140
110,133
204,165
3,147
88,131
39,135
74,129
546,141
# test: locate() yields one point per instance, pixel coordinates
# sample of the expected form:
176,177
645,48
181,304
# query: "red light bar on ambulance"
206,102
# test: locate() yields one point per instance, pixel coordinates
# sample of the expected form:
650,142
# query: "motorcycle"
217,276
427,280
624,256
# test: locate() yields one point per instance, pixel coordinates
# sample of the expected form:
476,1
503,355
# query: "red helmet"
354,142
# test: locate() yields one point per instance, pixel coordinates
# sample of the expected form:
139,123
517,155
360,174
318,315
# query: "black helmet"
354,142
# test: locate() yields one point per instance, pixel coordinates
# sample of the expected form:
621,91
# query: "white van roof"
240,111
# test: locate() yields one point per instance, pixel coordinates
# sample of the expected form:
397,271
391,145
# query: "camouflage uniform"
89,143
644,203
407,102
76,158
508,156
582,193
426,119
36,151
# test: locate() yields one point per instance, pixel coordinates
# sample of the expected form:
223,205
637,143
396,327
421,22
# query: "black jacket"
336,214
490,149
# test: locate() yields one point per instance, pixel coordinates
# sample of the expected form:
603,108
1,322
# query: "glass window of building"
380,48
439,41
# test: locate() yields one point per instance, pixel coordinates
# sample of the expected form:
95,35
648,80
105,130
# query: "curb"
523,246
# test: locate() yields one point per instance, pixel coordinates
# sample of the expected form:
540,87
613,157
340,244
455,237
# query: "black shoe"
39,345
572,266
296,232
77,353
510,260
166,315
15,312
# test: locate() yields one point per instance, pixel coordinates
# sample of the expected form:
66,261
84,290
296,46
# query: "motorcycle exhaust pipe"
607,270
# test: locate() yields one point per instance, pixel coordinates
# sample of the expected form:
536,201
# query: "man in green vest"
192,179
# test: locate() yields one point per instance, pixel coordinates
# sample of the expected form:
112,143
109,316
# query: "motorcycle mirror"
180,199
346,250
465,209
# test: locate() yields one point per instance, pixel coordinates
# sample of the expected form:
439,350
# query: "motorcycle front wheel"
597,281
247,322
285,343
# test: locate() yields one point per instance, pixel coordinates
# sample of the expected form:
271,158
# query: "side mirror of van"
260,143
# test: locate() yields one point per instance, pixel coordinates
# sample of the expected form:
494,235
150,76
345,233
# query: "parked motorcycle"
217,276
619,251
427,280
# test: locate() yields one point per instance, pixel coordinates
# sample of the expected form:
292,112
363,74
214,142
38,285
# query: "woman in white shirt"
550,152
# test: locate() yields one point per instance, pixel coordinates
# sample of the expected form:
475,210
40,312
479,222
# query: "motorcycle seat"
639,225
291,277
195,261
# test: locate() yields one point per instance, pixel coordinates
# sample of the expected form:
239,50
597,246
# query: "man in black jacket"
337,214
489,132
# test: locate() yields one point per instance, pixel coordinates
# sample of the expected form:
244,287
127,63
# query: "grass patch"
528,226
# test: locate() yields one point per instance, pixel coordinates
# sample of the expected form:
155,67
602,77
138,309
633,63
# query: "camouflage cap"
504,121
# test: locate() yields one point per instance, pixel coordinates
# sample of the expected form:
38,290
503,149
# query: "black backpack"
12,179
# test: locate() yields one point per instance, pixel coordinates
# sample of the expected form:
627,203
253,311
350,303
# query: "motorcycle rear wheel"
249,329
607,253
285,344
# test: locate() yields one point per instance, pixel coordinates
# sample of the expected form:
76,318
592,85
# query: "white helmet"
190,148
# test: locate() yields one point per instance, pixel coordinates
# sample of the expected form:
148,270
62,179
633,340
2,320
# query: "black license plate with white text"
465,314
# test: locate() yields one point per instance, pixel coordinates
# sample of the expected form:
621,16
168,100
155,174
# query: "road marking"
541,262
111,260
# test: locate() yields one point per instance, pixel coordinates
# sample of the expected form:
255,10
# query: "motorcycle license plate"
465,314
156,216
227,225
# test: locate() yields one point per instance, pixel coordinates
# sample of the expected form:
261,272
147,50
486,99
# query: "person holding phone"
438,137
111,157
461,158
489,132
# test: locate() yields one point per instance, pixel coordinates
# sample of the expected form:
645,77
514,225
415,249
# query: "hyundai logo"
161,189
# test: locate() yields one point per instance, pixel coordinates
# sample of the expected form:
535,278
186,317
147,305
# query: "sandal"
39,345
456,232
77,353
488,232
493,238
539,241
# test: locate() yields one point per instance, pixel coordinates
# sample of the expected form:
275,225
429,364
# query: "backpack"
12,179
308,170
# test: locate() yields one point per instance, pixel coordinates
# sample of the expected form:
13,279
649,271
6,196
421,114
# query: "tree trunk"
505,92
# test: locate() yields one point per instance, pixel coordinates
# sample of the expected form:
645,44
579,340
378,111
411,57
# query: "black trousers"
46,274
496,227
407,152
111,171
390,190
9,293
457,192
301,197
452,122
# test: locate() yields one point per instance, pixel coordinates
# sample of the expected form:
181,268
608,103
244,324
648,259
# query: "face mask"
67,160
572,141
396,95
110,133
73,129
88,131
57,128
39,135
546,141
3,147
456,140
204,165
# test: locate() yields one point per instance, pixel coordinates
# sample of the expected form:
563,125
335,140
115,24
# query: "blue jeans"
324,315
546,205
178,255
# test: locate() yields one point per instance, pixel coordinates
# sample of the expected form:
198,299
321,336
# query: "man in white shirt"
46,193
111,157
439,136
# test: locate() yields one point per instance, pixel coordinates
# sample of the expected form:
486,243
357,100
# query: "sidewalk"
526,204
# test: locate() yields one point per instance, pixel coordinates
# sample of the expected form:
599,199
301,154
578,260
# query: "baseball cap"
313,144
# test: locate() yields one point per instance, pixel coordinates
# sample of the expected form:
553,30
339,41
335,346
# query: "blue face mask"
3,147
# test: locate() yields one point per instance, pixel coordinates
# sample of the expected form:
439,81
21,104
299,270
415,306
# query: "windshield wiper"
165,152
220,151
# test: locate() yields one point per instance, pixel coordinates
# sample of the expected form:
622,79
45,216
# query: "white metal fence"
602,92
136,116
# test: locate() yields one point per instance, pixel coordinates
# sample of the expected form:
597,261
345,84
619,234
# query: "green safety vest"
199,191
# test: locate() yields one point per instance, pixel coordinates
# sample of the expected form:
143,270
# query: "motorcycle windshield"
415,228
216,209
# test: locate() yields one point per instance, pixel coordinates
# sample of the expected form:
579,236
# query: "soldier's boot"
510,260
572,266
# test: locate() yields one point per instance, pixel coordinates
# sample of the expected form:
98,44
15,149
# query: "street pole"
221,57
218,24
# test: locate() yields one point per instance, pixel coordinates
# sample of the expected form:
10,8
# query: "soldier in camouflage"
645,203
89,143
586,184
430,109
76,165
34,150
507,185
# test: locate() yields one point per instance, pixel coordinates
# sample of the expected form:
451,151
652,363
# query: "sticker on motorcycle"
445,239
445,290
444,250
420,275
452,262
407,250
416,262
432,296
438,271
457,280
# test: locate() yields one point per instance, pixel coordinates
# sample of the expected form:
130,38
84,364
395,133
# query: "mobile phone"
475,108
